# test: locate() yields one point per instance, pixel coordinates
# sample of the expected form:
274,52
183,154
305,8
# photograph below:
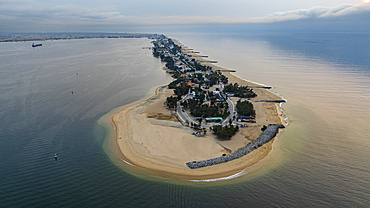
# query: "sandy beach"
150,136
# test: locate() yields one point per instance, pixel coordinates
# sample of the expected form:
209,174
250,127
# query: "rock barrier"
272,101
266,136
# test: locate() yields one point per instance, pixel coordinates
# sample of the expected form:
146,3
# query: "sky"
149,15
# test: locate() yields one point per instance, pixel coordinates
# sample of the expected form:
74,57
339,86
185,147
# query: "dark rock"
266,136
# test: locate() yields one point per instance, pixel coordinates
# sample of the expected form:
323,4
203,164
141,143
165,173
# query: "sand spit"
149,136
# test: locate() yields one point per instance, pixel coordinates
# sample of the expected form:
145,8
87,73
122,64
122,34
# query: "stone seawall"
266,136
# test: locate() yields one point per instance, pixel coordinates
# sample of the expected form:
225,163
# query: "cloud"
30,10
315,13
27,15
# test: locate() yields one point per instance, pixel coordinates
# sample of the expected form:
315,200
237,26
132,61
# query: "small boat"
56,157
37,44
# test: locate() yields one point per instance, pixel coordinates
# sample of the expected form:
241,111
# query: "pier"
272,101
208,61
199,56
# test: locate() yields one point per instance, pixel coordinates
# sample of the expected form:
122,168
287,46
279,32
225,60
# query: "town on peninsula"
204,121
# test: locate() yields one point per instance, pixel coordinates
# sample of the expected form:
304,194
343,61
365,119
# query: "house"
206,98
216,92
220,99
192,84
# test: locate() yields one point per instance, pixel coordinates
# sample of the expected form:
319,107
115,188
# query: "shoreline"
133,119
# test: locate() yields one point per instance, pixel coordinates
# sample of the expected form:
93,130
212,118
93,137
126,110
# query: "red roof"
192,84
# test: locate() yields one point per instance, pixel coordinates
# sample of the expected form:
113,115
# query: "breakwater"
266,136
272,101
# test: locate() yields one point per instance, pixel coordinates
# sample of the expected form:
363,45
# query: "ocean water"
321,158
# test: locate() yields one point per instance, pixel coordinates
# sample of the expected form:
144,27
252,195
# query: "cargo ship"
37,44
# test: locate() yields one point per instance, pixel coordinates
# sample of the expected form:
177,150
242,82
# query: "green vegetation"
263,128
173,84
215,78
182,90
224,79
175,48
204,104
172,101
180,87
156,52
170,64
245,108
200,109
225,132
201,67
206,110
240,91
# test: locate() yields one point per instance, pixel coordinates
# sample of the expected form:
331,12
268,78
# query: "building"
243,119
192,84
214,119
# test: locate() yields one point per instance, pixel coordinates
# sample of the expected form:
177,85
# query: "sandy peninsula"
150,136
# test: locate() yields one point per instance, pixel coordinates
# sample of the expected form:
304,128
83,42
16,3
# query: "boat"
56,157
37,44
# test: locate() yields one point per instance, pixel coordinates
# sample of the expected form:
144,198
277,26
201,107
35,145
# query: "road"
231,110
185,118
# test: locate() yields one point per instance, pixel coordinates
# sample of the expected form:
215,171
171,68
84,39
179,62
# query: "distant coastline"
149,135
70,36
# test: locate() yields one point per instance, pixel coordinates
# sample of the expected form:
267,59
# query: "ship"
37,44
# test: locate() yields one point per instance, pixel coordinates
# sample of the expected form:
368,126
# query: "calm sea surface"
321,158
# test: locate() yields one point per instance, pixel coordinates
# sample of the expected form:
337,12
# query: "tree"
225,132
224,79
245,108
264,128
185,104
171,102
240,91
204,131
